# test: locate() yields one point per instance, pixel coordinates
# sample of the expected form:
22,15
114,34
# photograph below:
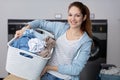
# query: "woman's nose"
73,17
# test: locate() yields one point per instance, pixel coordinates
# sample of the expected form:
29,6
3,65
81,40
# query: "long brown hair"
86,25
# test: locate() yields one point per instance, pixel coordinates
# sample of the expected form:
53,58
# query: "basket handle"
26,55
41,31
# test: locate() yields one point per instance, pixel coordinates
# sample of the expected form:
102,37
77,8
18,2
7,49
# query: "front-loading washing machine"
98,52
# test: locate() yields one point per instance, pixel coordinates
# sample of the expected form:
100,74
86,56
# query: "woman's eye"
78,15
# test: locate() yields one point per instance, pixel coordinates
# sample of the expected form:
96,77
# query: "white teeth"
73,22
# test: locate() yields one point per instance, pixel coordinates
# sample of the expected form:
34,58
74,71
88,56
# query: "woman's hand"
44,71
53,68
21,31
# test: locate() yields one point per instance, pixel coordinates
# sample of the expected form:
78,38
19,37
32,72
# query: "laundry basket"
26,67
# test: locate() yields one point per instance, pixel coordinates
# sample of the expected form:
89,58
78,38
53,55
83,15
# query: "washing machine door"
95,49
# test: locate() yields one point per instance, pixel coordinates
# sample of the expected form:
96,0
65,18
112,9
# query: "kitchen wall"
47,9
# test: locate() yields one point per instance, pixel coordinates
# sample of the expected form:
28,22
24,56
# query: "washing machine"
98,52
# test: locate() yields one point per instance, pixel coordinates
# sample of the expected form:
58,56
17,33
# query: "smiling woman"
98,51
79,14
77,33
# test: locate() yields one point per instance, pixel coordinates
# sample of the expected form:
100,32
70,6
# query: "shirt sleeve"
53,27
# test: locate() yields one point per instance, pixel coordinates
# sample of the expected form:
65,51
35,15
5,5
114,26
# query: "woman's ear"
84,17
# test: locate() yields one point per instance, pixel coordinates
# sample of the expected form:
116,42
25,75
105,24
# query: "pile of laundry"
110,69
29,42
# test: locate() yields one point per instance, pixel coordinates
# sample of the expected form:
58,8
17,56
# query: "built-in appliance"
99,28
98,52
14,25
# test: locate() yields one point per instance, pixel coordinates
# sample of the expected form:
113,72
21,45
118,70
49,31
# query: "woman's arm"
47,68
78,63
53,27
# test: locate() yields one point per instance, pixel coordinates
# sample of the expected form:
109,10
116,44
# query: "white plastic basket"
30,67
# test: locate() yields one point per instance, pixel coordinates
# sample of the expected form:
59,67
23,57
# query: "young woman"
73,43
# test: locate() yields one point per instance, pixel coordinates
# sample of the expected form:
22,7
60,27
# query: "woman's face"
75,17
